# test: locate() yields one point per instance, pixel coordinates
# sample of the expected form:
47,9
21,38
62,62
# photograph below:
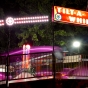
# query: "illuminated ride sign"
67,15
22,20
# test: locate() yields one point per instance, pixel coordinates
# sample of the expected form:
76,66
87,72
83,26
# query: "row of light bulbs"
35,19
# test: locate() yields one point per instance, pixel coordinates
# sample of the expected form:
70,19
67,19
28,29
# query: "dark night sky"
10,7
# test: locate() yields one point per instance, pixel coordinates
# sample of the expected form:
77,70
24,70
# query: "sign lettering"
69,15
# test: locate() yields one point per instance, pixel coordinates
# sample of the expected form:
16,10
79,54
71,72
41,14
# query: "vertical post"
54,60
7,59
24,56
53,63
7,78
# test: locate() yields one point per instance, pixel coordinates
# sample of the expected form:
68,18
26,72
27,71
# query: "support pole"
54,63
8,57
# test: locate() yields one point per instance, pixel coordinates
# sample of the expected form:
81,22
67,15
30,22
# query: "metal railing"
36,65
26,66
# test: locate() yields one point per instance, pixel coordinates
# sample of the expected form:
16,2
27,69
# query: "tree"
36,34
41,34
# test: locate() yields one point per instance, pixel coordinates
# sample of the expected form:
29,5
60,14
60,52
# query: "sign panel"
69,15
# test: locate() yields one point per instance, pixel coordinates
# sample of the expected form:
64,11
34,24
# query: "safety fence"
37,65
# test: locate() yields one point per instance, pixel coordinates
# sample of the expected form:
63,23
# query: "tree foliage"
41,33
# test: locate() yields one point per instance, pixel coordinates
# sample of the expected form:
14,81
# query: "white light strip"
35,19
2,70
1,22
31,18
31,21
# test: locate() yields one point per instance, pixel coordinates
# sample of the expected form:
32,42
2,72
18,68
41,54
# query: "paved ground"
50,84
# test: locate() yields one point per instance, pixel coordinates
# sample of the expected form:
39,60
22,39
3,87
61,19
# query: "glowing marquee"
36,19
23,20
69,15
